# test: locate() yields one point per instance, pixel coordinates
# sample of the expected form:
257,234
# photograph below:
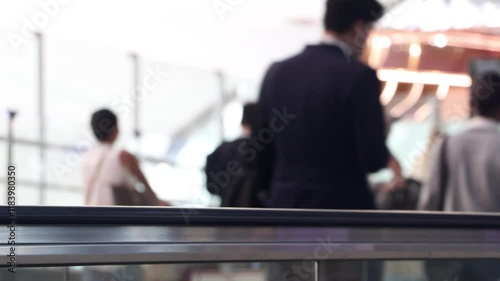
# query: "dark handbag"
401,199
124,196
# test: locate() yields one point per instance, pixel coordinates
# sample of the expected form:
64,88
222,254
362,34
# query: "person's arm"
369,122
131,163
398,180
264,158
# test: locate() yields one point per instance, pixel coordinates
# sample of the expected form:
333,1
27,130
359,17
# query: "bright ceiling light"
423,112
429,78
410,101
442,91
415,50
389,92
381,42
440,40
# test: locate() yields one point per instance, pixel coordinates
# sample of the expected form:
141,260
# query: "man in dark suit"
335,132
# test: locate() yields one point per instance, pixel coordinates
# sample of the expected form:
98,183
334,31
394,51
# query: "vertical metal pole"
316,270
136,92
10,142
41,114
364,271
440,98
436,114
220,104
66,274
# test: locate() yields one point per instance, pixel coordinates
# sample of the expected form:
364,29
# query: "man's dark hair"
104,123
249,115
485,93
342,14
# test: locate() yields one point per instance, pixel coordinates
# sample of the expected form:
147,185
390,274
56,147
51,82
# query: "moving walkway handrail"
39,215
52,236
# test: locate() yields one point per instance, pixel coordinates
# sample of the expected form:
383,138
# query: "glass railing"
153,244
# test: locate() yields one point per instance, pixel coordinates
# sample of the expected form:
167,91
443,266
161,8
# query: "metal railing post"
10,143
41,113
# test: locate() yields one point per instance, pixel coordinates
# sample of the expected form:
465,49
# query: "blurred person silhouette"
229,174
322,127
465,168
112,176
465,175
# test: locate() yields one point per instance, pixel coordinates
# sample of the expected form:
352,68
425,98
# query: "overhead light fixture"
424,112
442,92
415,50
381,42
410,101
389,92
429,78
440,40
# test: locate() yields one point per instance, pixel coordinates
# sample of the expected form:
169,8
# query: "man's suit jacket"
321,131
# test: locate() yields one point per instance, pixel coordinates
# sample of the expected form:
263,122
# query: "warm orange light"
423,112
454,38
442,92
440,40
409,102
380,42
429,78
388,92
415,50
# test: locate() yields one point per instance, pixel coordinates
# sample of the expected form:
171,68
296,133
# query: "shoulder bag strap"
94,178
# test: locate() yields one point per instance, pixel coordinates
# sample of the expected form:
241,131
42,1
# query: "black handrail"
44,215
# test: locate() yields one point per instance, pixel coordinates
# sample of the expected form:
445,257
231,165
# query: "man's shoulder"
233,145
476,138
361,69
225,152
293,65
223,149
336,61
